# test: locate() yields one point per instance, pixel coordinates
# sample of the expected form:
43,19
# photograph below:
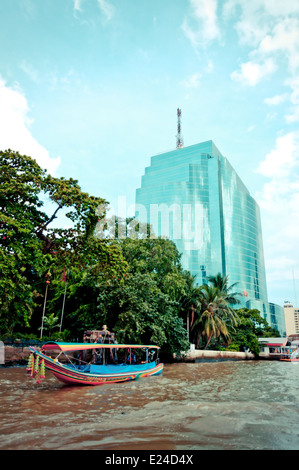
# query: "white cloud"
206,29
282,42
210,66
252,73
279,203
293,83
257,18
251,25
193,81
106,8
275,100
293,117
271,29
77,5
15,124
30,71
277,9
280,161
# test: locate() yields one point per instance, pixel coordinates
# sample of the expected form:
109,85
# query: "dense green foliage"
251,326
30,248
141,306
135,285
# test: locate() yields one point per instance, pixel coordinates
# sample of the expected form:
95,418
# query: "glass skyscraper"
193,196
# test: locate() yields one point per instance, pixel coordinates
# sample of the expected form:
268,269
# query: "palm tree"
222,283
216,314
50,323
190,301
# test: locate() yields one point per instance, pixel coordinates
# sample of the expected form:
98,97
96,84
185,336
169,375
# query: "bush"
234,347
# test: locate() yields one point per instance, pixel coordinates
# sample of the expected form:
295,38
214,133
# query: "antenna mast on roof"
179,139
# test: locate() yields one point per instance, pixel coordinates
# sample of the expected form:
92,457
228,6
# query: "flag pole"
65,279
62,312
44,308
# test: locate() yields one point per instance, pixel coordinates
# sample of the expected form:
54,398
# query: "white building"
291,315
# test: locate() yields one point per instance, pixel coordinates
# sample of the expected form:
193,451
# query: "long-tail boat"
94,363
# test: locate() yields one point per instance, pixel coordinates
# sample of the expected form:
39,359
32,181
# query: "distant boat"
291,357
94,363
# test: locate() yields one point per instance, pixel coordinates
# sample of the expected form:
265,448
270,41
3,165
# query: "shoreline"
14,355
17,354
198,355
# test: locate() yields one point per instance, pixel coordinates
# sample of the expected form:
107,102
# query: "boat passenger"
131,358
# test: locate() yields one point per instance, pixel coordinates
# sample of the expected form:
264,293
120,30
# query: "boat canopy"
52,346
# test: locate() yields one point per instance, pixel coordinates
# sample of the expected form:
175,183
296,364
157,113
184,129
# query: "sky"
90,89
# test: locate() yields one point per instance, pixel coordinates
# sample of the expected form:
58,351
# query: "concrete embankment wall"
198,354
17,354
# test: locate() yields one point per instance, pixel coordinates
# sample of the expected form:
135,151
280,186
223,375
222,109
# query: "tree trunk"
209,339
40,232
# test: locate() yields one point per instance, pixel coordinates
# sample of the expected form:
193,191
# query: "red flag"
64,275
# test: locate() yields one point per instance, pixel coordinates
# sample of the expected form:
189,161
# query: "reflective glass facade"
193,196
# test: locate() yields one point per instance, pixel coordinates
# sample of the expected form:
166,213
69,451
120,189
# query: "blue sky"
90,89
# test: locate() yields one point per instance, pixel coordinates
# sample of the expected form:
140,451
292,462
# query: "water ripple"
231,405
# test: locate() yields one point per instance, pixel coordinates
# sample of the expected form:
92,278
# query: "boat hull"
72,376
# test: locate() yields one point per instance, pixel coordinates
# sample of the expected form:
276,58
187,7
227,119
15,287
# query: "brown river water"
229,405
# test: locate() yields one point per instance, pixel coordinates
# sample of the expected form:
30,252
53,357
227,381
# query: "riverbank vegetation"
62,274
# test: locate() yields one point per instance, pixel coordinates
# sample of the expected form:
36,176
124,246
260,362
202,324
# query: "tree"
139,312
190,302
20,250
28,244
251,326
141,306
50,322
222,282
136,286
215,315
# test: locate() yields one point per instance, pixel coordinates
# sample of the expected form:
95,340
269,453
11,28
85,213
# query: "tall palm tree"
216,314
